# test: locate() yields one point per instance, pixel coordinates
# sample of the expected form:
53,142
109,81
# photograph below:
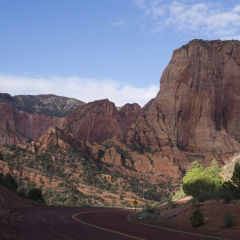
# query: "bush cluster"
8,181
204,184
197,218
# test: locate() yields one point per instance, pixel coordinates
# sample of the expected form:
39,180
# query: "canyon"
195,116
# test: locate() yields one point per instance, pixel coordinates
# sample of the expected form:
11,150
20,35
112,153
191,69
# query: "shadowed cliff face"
21,127
129,114
100,120
197,107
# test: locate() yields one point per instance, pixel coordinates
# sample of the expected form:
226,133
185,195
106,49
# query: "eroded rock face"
129,114
44,104
100,120
57,137
197,108
20,127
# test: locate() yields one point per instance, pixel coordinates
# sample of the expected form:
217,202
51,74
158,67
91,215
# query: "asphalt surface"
85,223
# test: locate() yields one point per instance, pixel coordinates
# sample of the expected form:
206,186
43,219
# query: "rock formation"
21,127
100,120
57,137
45,104
129,114
196,112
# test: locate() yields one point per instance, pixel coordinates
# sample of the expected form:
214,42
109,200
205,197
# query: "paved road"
85,223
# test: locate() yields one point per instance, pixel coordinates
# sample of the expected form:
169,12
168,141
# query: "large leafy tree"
198,179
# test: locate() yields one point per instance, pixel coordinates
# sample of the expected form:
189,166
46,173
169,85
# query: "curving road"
85,223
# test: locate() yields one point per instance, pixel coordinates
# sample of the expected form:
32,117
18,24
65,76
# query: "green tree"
1,156
233,186
35,194
198,179
197,218
213,170
236,176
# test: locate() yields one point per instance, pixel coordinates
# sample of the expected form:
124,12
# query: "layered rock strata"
100,120
196,112
21,127
57,137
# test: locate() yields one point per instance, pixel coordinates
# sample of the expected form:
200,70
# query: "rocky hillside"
140,163
71,172
100,120
196,112
45,104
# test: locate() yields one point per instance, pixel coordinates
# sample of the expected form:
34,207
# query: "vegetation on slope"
211,182
71,178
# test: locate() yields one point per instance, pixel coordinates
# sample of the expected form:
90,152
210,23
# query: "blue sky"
95,49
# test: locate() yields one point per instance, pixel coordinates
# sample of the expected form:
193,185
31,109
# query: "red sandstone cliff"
196,112
100,120
21,127
129,114
57,137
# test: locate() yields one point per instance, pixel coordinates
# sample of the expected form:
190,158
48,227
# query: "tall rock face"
100,120
45,104
21,127
129,114
197,110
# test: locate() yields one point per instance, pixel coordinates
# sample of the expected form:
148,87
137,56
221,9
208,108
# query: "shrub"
192,200
225,194
8,181
12,147
232,188
172,204
35,194
150,212
197,218
21,191
145,215
236,176
150,209
135,147
229,219
179,194
101,153
204,196
1,156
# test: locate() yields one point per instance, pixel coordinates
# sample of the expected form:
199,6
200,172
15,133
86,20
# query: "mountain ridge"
43,104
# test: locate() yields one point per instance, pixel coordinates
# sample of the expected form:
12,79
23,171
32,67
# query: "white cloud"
140,3
118,23
84,89
210,20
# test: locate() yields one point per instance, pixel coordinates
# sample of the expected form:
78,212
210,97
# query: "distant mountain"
21,127
45,104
